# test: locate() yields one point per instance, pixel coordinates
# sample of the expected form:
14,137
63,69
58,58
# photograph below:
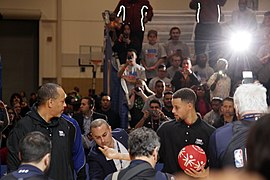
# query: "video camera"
247,77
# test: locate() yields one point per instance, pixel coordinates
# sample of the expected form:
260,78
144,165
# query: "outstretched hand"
113,154
109,152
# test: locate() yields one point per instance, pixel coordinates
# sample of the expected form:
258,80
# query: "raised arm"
6,121
113,154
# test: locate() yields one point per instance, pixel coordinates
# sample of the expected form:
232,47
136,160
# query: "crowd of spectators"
157,86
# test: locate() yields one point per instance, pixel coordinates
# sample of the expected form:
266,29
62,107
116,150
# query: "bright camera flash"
240,41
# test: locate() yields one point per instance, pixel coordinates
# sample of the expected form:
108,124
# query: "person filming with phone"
130,71
220,83
153,116
128,74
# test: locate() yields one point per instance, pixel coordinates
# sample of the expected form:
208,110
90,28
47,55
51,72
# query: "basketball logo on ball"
192,156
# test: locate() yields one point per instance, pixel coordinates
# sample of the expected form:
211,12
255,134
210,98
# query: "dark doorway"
19,47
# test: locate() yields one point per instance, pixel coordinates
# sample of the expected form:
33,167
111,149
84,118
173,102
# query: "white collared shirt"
119,164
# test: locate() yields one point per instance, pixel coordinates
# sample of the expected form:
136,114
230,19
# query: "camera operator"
153,117
129,73
219,75
123,43
137,98
220,82
125,37
137,13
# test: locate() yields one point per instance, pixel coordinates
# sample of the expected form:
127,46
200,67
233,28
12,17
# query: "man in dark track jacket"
46,117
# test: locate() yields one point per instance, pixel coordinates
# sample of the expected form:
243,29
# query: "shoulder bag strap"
136,170
115,175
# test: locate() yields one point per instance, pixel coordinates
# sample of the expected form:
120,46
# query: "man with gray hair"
227,144
143,145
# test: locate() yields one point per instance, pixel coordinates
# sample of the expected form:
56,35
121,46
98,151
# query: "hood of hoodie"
33,114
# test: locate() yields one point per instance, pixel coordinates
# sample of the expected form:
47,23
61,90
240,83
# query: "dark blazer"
99,167
113,118
79,118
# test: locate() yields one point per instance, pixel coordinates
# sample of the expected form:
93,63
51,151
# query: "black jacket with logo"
59,131
174,135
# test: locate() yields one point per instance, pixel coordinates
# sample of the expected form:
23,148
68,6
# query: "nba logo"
238,158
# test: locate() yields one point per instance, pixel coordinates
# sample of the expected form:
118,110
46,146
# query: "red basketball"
191,156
